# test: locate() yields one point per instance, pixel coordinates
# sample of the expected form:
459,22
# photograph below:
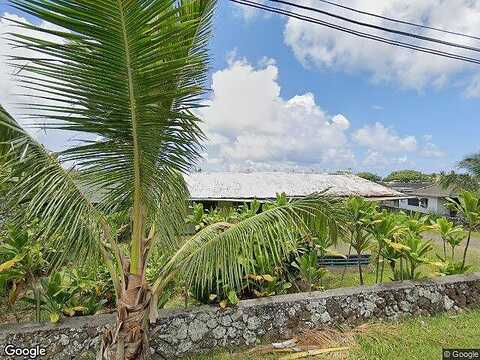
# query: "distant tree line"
467,179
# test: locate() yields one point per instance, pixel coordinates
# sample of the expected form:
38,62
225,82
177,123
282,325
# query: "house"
432,199
230,188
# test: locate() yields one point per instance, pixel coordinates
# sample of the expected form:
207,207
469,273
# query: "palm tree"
468,205
470,180
131,74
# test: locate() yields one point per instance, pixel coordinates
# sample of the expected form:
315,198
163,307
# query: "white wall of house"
426,205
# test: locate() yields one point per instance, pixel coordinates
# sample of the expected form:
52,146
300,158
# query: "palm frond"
46,191
129,73
222,254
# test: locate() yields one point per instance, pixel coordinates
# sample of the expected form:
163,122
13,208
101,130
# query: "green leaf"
232,297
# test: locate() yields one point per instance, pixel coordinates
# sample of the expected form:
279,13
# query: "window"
413,202
424,203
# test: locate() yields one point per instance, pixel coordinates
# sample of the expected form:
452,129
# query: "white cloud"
249,13
377,137
249,123
429,149
319,46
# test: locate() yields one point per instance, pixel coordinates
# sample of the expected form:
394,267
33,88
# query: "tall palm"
130,73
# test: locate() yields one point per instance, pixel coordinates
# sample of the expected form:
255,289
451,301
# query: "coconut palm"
129,74
468,205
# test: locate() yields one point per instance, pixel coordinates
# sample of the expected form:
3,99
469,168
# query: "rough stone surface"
201,329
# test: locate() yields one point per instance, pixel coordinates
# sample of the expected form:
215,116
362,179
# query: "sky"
293,96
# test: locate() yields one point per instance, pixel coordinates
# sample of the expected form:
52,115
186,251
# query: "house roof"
436,190
407,188
265,185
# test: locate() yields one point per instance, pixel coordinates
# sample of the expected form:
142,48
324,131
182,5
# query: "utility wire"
357,33
398,21
377,27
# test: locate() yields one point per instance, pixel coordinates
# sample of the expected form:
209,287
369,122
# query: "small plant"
450,267
65,293
360,213
468,205
198,218
309,271
266,285
415,253
23,259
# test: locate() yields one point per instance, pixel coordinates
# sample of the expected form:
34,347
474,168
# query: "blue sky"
327,101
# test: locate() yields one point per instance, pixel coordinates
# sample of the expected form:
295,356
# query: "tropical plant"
65,294
468,205
415,252
359,213
310,273
198,218
130,74
450,234
266,285
23,259
470,180
387,230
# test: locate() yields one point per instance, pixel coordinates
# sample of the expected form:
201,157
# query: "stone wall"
203,328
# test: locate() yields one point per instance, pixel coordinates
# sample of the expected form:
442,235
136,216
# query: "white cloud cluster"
323,47
249,124
247,121
380,138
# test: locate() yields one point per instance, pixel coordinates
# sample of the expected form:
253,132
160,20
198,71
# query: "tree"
468,205
359,214
370,176
470,180
130,74
408,176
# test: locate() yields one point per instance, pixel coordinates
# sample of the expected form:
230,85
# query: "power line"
399,21
357,33
377,27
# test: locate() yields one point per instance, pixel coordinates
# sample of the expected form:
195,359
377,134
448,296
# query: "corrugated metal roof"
265,185
436,190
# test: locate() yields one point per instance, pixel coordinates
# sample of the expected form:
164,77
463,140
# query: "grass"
420,338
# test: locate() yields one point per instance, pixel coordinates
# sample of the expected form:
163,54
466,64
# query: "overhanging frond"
227,251
44,190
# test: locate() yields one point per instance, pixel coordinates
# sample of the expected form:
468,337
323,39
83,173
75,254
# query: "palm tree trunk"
466,248
128,338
